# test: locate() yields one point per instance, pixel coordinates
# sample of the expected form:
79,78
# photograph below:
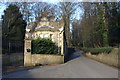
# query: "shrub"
43,46
98,50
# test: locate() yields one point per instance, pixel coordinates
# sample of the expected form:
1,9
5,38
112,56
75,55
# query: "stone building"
45,26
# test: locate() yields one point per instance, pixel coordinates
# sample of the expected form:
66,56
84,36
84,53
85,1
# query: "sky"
52,1
2,8
76,15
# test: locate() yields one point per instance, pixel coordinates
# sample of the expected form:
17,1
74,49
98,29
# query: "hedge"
98,50
43,46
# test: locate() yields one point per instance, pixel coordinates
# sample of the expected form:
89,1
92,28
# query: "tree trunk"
105,28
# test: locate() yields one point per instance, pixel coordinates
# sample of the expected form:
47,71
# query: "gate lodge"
45,26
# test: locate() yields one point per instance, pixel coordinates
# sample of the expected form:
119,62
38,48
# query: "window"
51,36
45,36
41,36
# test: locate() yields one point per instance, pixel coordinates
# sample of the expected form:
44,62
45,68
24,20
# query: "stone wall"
110,59
46,59
43,59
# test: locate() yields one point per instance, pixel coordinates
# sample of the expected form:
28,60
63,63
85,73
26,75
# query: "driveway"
78,67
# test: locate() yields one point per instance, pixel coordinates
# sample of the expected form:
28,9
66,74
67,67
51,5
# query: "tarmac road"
80,67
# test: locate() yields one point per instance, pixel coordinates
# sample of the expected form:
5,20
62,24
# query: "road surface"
80,67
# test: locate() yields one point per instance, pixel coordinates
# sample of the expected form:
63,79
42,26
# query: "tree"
32,10
76,34
114,23
102,22
67,8
13,25
99,24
